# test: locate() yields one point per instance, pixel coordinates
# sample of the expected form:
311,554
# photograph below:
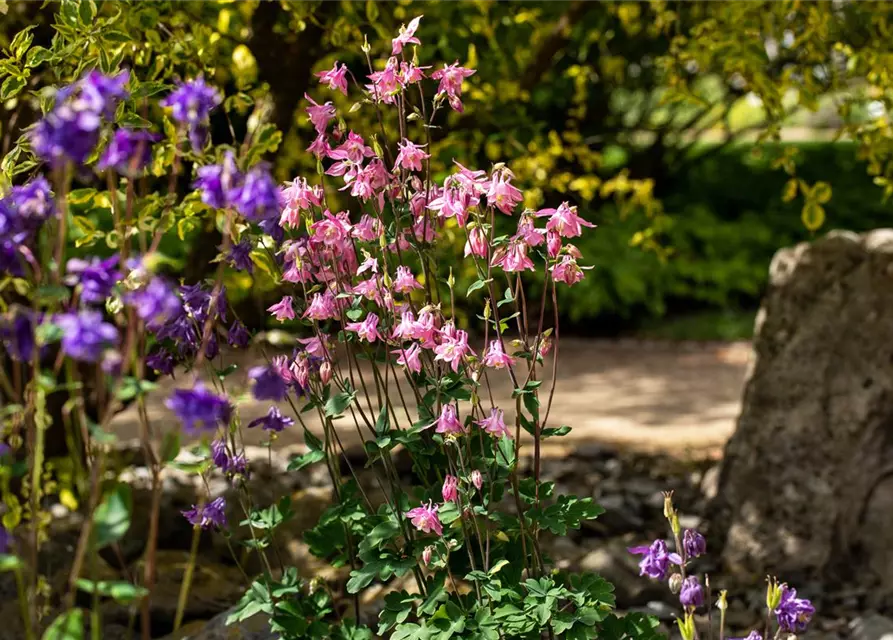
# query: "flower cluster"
23,211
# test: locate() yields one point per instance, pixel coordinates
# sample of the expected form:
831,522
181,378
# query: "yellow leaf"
821,192
813,215
66,497
790,190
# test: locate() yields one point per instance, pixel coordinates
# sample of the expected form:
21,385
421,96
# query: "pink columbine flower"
477,479
427,552
369,264
424,228
385,84
405,281
410,156
528,232
567,271
353,149
332,230
298,196
367,229
450,490
476,243
367,329
406,327
320,146
407,36
409,357
565,221
321,307
496,357
325,372
335,78
369,289
502,194
494,424
545,347
513,257
453,348
553,243
451,77
283,310
425,329
410,74
448,421
425,519
320,114
316,346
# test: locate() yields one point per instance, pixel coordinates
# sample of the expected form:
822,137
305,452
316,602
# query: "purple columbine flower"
793,613
129,151
205,516
17,334
85,336
230,465
197,302
259,196
70,131
656,560
161,361
96,277
6,540
219,183
694,543
692,593
268,383
191,104
753,635
28,206
155,303
273,421
239,256
199,408
238,335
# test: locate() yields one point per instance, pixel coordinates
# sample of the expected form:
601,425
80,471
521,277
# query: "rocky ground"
628,484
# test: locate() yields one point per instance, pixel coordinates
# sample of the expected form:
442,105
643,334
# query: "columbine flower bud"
675,582
668,505
426,555
477,479
325,372
721,602
773,593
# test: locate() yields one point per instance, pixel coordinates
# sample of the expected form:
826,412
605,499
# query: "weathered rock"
804,489
255,628
872,626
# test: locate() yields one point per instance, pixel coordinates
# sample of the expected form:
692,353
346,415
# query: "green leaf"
311,457
362,577
121,592
68,626
336,405
382,423
505,456
111,520
9,562
477,284
379,535
170,446
86,11
22,41
11,87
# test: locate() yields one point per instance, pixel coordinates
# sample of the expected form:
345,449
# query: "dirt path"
648,396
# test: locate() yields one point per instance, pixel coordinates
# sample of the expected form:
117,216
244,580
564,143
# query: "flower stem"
187,578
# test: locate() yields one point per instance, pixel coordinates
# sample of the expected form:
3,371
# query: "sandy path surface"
649,396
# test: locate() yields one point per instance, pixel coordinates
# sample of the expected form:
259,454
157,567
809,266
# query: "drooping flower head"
453,347
199,408
155,303
496,357
409,357
451,77
283,310
448,421
85,335
691,594
477,479
425,518
128,152
17,333
272,421
320,114
258,197
410,156
205,516
95,277
70,131
335,78
494,424
793,613
694,543
367,329
219,183
405,281
229,464
191,104
269,382
565,221
656,559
